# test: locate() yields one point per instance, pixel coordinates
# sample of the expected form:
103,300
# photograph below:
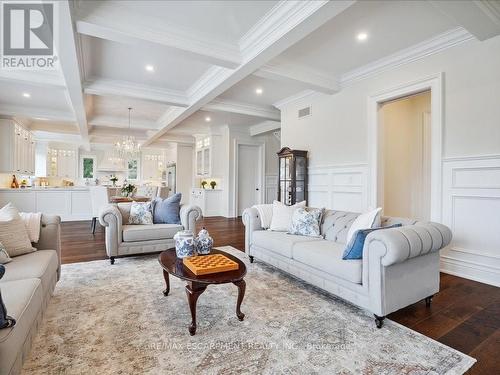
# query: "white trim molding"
433,83
341,187
265,112
419,51
471,208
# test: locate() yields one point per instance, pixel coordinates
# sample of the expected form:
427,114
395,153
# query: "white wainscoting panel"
471,208
339,187
271,187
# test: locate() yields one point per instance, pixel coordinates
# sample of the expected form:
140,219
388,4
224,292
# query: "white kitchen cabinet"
17,149
209,200
153,165
61,163
209,159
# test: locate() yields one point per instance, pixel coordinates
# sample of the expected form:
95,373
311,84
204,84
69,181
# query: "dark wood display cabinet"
292,176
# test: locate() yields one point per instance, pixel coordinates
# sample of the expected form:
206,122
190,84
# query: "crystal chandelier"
128,148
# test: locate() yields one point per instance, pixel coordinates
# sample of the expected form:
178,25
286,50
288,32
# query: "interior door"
249,177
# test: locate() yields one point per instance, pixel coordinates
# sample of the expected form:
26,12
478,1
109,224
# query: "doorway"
249,178
432,187
404,156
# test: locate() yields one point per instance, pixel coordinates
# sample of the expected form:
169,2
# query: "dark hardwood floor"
464,315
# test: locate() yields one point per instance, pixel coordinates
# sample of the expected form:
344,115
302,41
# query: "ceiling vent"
304,112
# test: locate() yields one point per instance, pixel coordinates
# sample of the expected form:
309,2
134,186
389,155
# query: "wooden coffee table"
196,285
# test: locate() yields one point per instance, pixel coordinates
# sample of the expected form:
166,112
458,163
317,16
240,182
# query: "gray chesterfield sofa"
400,266
124,239
27,286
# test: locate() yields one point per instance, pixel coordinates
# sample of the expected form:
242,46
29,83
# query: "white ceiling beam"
109,131
106,87
304,77
177,139
41,78
68,59
36,113
122,122
265,112
264,127
286,24
103,23
480,18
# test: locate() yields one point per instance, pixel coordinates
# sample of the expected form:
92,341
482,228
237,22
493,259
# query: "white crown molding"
419,51
220,105
307,78
124,27
41,78
115,131
294,98
205,83
34,113
264,127
106,87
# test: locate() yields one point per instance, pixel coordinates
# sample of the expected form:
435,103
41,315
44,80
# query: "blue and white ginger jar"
204,242
185,243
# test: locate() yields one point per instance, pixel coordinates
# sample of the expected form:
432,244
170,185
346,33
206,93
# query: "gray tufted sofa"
27,287
400,266
124,239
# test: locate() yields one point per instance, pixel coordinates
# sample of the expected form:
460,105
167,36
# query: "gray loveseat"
400,266
125,239
27,286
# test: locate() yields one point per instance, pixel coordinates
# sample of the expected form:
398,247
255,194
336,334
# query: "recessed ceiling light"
150,68
208,119
26,95
259,91
362,36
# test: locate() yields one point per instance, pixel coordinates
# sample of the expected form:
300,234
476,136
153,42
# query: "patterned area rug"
107,319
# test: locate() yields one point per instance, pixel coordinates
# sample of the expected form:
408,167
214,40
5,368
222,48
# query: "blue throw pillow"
166,211
354,249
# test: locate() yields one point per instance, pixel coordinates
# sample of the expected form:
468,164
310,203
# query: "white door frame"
433,83
262,167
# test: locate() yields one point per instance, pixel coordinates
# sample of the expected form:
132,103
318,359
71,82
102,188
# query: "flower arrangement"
203,184
128,189
213,184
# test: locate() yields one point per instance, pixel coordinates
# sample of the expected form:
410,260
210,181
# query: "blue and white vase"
204,242
185,244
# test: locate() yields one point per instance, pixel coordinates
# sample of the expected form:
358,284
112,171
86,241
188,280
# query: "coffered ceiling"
179,63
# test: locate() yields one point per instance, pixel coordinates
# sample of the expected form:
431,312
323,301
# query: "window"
88,167
132,169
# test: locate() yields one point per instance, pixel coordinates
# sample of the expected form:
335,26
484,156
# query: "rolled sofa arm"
50,236
189,215
111,218
396,245
251,220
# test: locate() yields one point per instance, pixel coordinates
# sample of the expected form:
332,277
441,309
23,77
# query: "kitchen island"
71,203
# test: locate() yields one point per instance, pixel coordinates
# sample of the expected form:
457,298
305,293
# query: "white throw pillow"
265,214
282,215
140,213
367,220
13,233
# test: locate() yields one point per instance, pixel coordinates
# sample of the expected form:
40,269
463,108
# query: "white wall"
471,145
184,171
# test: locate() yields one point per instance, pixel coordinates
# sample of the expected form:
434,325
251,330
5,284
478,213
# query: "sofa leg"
379,320
251,258
112,260
428,301
94,221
